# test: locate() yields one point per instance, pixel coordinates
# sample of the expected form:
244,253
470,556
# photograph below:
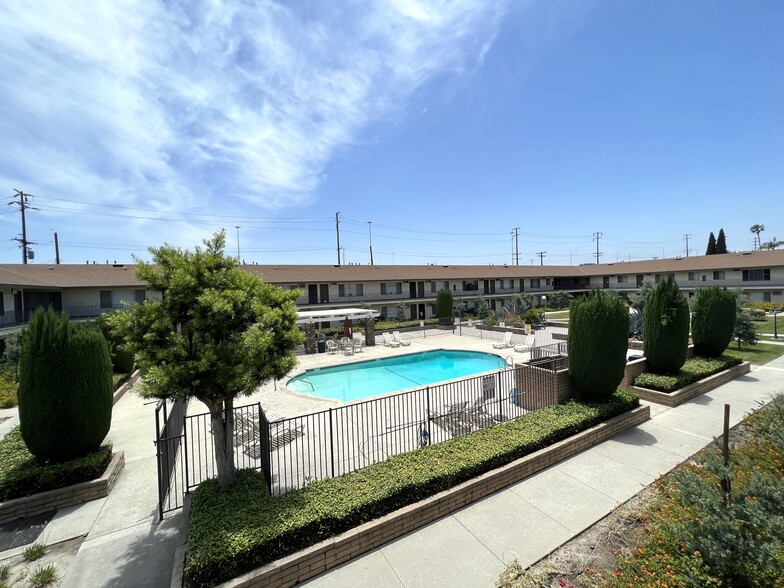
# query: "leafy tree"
666,328
65,387
757,229
598,330
637,301
482,308
711,250
444,301
401,312
721,242
122,360
714,321
745,331
560,299
217,333
518,304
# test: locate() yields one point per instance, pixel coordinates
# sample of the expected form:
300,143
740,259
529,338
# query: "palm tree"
771,245
757,229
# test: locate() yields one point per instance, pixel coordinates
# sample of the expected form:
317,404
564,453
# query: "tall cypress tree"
721,242
711,250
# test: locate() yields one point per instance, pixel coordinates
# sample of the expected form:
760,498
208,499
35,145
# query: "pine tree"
721,242
711,250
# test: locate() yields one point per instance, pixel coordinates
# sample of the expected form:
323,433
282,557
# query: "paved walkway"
125,545
529,520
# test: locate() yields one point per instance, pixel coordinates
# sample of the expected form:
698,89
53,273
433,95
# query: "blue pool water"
370,378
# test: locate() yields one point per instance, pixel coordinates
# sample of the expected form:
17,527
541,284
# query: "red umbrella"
347,328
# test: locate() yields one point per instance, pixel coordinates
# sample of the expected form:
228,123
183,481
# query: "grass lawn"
560,316
767,325
755,354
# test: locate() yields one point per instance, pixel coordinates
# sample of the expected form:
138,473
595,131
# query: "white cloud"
178,106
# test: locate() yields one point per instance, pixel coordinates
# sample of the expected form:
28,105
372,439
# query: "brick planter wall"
330,553
695,389
42,502
125,386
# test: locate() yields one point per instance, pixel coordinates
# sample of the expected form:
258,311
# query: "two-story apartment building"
87,290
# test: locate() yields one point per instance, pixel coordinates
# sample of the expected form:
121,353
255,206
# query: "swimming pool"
363,379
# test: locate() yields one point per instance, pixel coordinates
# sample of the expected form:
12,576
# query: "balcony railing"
85,311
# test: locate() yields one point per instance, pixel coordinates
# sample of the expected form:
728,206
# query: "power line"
23,204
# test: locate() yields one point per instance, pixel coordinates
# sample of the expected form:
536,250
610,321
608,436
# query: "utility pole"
23,205
517,249
541,255
337,230
686,236
596,236
370,238
238,242
56,250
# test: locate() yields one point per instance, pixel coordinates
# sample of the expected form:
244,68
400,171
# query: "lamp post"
775,323
544,301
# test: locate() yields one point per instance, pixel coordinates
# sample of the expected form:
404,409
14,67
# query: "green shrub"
665,328
122,360
695,368
713,322
598,339
65,387
8,387
756,314
235,529
22,475
444,302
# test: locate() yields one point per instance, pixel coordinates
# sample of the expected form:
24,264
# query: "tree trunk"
222,417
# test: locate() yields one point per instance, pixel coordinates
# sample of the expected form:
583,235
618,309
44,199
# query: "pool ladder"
505,363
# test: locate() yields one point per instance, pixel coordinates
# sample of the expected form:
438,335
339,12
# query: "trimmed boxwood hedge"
236,529
21,474
695,368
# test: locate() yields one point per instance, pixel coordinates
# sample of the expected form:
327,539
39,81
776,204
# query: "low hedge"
695,368
21,474
236,529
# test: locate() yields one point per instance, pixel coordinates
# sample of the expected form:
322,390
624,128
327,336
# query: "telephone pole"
370,238
541,255
238,242
56,250
596,236
517,249
23,204
686,236
337,230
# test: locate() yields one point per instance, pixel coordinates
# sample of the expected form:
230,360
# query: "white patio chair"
396,337
505,342
347,345
526,345
389,341
332,346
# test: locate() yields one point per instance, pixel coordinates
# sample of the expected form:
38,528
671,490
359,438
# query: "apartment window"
622,279
756,275
663,277
139,296
694,276
534,282
383,288
718,275
106,299
2,305
547,281
640,278
350,290
468,286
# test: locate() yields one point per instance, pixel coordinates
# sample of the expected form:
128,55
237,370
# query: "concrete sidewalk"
529,520
123,542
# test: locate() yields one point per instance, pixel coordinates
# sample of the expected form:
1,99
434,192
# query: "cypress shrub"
665,328
598,331
122,360
65,388
713,322
444,306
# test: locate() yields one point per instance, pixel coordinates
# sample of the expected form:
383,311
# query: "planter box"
687,393
19,508
333,552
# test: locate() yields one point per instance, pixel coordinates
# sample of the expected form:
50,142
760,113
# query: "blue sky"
446,124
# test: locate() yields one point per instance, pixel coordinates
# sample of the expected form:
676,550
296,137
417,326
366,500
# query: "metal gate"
170,434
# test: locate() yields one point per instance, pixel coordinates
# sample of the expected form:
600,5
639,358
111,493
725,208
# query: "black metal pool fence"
292,452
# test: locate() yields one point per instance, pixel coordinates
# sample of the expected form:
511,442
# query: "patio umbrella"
347,328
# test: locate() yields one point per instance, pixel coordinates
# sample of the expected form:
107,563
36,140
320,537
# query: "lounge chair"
389,341
396,337
332,346
505,342
526,345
